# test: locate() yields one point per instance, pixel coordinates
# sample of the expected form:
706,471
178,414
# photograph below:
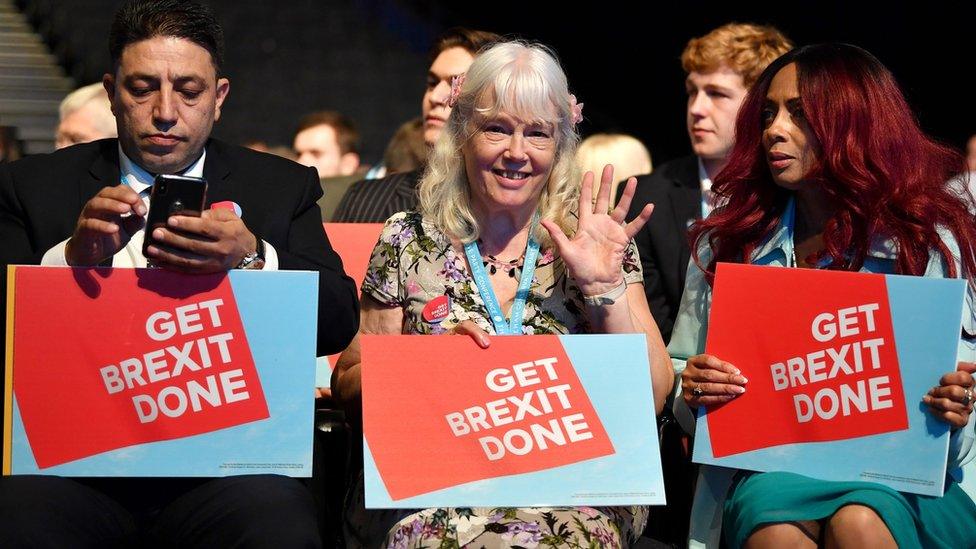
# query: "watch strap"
606,298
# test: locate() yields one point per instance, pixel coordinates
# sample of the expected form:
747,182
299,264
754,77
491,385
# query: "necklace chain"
493,264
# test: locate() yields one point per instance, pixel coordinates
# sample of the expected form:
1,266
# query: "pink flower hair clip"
575,109
456,84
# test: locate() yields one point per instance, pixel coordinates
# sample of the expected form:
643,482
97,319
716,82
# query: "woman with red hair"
831,171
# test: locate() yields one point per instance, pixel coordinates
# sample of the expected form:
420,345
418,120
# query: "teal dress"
948,522
732,504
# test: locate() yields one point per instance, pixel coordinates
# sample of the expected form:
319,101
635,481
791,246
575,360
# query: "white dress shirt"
709,200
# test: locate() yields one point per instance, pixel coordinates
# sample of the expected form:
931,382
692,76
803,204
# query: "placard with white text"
145,372
837,364
530,421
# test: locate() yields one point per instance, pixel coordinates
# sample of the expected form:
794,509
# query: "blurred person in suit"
720,68
375,200
329,142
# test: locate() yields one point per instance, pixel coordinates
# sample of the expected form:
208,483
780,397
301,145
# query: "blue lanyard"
514,325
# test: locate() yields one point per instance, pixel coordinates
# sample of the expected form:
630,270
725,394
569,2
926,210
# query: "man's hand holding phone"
216,241
182,236
105,225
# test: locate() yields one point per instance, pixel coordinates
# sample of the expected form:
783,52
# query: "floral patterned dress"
414,263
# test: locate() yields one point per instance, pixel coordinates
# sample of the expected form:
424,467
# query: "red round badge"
436,309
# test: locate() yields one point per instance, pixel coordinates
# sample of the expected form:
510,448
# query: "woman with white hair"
497,202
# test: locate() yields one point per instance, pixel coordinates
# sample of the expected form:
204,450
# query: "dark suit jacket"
375,200
674,189
333,189
41,197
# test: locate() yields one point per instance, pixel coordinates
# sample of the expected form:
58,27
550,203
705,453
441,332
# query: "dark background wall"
624,58
367,58
285,59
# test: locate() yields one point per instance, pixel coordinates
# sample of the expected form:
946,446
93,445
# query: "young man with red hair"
721,66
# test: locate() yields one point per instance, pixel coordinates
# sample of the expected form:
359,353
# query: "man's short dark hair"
460,37
347,136
139,20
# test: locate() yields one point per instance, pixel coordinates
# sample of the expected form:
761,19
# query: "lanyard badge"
514,325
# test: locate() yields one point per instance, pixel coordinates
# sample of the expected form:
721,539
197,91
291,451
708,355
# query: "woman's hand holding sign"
708,380
952,400
469,328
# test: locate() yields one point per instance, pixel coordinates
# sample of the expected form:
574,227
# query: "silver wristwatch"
254,260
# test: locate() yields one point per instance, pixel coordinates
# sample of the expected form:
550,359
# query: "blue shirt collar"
780,241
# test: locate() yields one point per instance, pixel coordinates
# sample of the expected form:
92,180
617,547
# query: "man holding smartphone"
85,206
166,96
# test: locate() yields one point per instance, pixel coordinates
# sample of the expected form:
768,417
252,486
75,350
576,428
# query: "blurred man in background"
85,115
375,200
329,142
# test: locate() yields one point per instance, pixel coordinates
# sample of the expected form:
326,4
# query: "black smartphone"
172,195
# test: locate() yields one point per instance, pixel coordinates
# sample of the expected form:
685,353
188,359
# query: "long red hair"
882,176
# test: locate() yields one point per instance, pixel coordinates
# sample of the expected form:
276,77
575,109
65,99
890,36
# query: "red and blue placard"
144,372
354,242
532,420
837,365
